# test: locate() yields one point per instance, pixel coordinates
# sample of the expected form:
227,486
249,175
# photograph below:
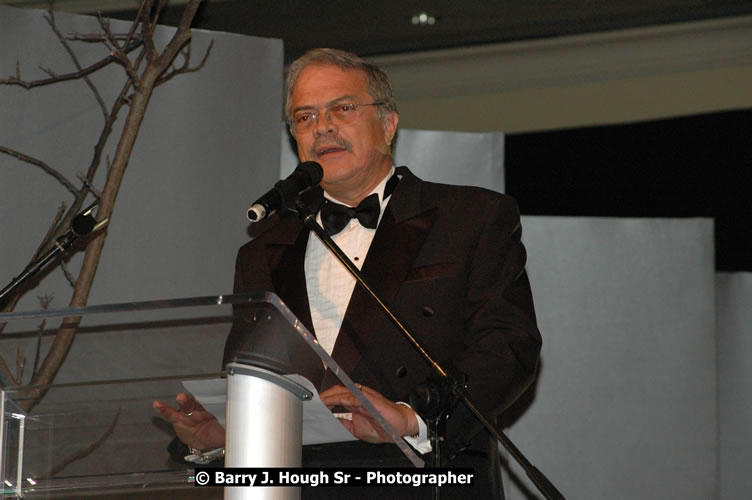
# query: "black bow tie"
335,216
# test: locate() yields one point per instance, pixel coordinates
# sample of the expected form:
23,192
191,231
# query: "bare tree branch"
156,65
84,181
101,38
39,163
181,38
20,362
9,378
106,131
85,451
147,32
155,18
68,275
134,25
63,225
38,349
184,67
119,52
49,72
28,85
50,18
45,301
51,230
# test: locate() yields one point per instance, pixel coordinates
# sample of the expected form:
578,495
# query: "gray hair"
379,86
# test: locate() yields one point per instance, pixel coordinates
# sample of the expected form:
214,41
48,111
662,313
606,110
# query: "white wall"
207,146
734,303
626,402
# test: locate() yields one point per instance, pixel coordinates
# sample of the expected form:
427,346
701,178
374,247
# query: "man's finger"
166,411
348,425
345,399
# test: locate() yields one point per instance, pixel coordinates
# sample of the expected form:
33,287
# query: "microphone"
84,223
306,175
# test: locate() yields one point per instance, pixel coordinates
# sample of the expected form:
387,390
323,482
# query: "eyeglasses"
341,113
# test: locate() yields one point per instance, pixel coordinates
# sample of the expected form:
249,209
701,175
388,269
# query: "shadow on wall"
509,418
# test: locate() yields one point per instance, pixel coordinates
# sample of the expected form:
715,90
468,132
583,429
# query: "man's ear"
390,122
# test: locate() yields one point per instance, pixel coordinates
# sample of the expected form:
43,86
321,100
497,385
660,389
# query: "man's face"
354,156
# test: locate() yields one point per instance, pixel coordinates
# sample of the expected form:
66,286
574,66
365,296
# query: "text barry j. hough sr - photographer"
332,477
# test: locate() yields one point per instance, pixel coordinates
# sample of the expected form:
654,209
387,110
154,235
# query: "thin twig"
95,37
155,19
50,18
68,275
81,73
93,190
38,350
147,32
45,301
39,163
49,72
183,69
20,362
85,451
51,230
134,24
28,85
118,51
120,101
8,378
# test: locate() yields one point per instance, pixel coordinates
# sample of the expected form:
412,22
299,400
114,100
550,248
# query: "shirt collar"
379,189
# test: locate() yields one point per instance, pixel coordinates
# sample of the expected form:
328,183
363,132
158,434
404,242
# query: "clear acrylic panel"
94,433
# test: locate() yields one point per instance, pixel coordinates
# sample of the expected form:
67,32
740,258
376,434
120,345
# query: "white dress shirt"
330,286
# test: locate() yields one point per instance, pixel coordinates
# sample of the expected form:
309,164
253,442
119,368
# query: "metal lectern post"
264,426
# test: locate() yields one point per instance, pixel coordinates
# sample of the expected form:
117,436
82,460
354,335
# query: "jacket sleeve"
501,339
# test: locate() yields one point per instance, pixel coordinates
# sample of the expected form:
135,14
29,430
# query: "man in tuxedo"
448,259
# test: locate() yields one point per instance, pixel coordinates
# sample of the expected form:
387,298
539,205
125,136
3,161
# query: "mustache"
329,139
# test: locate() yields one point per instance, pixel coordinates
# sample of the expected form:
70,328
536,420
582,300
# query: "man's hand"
402,419
193,425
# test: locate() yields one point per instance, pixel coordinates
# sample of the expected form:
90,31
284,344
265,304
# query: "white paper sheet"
319,424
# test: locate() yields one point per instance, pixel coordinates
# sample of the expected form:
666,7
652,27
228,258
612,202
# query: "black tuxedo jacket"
449,260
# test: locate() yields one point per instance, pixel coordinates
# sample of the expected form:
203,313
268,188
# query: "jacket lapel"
400,236
286,263
286,258
285,255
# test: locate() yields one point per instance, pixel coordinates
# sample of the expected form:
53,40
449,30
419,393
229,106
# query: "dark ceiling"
376,28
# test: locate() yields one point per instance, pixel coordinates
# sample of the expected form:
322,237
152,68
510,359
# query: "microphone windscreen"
83,224
314,171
